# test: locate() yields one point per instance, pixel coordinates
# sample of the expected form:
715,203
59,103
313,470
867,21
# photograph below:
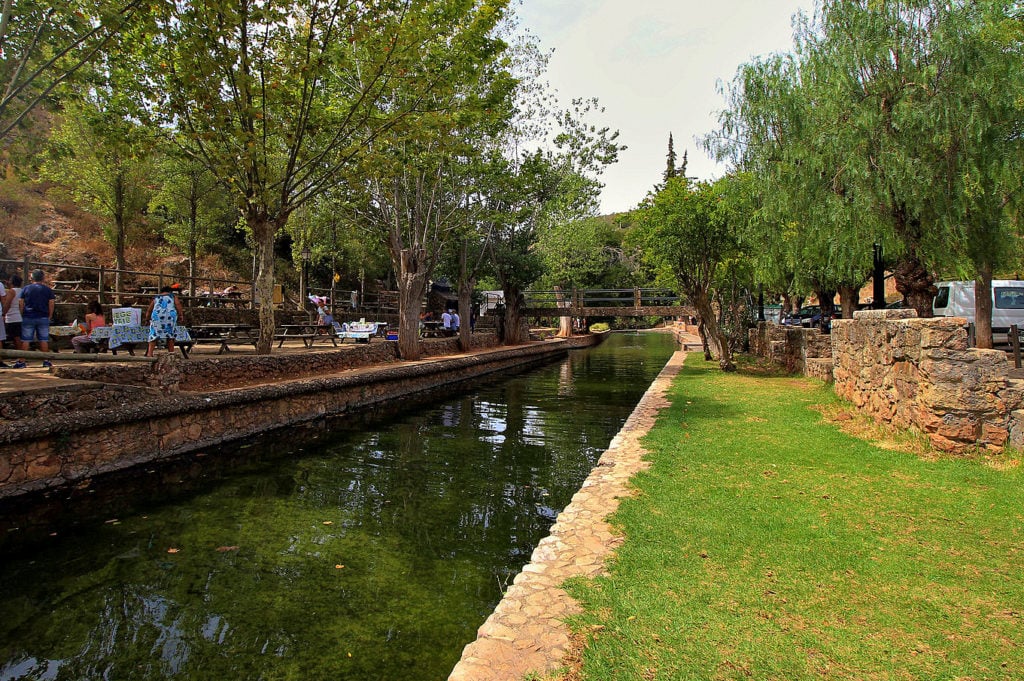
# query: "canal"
358,548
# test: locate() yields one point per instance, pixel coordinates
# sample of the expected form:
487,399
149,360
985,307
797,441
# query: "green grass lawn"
767,544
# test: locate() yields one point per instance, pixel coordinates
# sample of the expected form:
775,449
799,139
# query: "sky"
655,66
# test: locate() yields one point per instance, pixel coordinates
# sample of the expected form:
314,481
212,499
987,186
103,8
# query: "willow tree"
976,154
277,97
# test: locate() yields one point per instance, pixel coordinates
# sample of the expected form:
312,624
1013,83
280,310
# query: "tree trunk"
263,232
849,298
513,321
465,303
983,307
702,331
717,343
565,321
412,286
915,283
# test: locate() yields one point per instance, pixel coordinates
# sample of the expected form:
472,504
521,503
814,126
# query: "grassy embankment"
765,543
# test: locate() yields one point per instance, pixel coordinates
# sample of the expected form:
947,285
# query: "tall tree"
193,205
688,229
104,161
412,188
277,97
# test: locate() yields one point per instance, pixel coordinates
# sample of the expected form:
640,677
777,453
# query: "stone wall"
920,373
67,398
174,373
47,450
793,347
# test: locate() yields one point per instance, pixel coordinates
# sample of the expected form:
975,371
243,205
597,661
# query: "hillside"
37,221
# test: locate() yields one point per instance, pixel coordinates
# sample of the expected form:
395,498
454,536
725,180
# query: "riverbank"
766,543
68,431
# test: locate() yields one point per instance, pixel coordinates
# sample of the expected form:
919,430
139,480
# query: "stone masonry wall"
792,347
224,372
44,451
920,373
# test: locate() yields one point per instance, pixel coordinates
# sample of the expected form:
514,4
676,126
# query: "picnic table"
432,329
362,330
127,335
224,335
308,333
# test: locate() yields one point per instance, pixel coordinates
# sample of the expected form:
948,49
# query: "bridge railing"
620,297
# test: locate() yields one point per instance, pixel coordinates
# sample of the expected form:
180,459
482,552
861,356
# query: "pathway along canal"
352,549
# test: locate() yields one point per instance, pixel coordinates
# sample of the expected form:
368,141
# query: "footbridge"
634,302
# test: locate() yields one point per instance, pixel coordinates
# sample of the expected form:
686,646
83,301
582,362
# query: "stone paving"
526,632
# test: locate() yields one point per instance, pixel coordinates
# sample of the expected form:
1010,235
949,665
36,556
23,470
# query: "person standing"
446,322
163,312
456,321
13,317
36,304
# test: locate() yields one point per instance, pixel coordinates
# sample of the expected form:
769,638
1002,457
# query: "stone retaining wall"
793,347
65,399
46,451
226,371
920,373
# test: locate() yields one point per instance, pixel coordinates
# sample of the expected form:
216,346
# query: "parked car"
956,299
803,317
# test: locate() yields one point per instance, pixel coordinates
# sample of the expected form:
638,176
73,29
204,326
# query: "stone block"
944,332
1016,428
881,315
994,435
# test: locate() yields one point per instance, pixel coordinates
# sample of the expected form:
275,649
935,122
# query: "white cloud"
654,65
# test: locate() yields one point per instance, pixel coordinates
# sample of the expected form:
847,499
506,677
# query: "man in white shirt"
456,321
446,322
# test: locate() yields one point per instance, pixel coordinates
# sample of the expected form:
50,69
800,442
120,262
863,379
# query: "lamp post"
878,278
304,278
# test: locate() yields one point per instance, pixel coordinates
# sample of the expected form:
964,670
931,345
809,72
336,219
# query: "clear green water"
226,566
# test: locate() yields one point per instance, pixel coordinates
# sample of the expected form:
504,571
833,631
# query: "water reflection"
347,550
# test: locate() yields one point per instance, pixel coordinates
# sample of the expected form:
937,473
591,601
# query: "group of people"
26,313
450,322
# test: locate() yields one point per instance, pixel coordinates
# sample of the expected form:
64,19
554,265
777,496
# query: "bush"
600,327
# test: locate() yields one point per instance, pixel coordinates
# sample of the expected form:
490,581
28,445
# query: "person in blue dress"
163,312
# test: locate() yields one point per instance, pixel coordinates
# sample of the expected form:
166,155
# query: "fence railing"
579,298
102,283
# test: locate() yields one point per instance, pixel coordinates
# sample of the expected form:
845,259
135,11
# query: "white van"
956,299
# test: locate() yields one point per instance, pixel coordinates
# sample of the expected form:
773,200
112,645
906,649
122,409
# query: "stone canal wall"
135,426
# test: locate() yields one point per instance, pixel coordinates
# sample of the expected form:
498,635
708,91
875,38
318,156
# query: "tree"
687,228
192,205
411,190
103,160
278,97
45,44
977,150
543,188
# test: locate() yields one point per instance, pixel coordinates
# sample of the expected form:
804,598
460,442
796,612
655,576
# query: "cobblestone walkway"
526,632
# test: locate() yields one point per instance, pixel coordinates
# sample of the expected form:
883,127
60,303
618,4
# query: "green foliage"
194,208
600,327
102,159
894,123
44,45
